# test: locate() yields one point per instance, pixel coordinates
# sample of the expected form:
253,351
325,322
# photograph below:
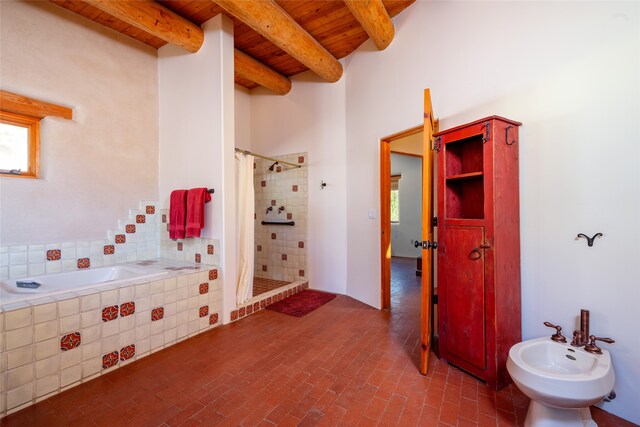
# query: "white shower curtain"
245,206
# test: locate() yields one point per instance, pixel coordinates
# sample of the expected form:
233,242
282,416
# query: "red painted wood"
477,189
464,294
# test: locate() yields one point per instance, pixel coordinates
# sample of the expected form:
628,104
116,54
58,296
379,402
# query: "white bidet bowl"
562,381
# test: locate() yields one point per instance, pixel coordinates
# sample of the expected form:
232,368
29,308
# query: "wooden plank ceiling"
330,22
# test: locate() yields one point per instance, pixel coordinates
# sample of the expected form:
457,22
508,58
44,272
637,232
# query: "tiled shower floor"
262,285
344,364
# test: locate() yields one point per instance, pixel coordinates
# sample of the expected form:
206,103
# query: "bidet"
561,381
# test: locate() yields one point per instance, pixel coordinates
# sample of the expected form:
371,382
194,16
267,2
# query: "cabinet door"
463,271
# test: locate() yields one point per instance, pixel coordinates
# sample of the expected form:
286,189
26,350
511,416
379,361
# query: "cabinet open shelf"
464,156
464,176
465,197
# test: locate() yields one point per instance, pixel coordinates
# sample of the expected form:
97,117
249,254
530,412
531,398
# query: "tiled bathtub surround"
50,344
136,238
280,250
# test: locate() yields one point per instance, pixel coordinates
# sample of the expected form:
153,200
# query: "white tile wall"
287,188
31,260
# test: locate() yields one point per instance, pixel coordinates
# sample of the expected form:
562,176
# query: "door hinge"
435,221
434,299
437,144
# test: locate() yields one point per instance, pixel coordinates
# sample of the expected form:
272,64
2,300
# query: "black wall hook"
590,239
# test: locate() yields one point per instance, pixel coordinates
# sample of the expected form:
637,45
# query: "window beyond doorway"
395,201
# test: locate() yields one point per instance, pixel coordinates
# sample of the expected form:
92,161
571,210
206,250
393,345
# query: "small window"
19,145
395,201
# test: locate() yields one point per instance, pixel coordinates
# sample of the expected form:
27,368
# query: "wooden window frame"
396,179
33,131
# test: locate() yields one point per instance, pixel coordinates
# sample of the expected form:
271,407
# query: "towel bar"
278,223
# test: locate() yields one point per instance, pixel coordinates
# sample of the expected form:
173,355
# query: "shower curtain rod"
267,158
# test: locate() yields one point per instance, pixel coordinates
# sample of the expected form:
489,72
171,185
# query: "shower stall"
280,221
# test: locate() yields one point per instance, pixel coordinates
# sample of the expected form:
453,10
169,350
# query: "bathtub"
52,284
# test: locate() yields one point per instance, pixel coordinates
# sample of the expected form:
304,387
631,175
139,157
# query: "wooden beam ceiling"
333,30
155,19
375,20
272,22
259,73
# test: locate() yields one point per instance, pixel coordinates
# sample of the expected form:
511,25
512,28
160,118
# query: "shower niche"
280,253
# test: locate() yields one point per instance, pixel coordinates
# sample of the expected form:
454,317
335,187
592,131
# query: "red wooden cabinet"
479,246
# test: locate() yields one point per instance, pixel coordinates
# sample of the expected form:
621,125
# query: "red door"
463,290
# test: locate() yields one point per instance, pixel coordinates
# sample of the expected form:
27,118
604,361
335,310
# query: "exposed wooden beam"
18,104
259,73
155,19
268,19
374,19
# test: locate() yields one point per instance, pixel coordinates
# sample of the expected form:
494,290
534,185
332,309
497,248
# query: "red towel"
177,214
196,198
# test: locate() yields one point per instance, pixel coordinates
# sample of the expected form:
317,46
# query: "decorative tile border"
127,352
109,313
127,308
261,301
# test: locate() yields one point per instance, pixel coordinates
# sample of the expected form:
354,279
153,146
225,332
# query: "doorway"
405,214
405,146
424,235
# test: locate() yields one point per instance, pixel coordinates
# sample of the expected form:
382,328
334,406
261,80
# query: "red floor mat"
302,303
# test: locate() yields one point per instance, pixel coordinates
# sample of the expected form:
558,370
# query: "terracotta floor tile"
281,411
409,418
449,413
333,416
311,419
468,410
376,408
487,421
394,409
345,364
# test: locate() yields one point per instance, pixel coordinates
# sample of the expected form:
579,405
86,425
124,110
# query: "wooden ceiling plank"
313,10
18,104
374,19
394,7
267,18
259,73
327,19
205,14
155,19
91,12
177,5
72,5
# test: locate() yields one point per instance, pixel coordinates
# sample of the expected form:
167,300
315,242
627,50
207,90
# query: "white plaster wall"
101,164
196,97
409,227
242,117
311,118
571,73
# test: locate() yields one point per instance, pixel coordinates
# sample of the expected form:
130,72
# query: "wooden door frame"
385,211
